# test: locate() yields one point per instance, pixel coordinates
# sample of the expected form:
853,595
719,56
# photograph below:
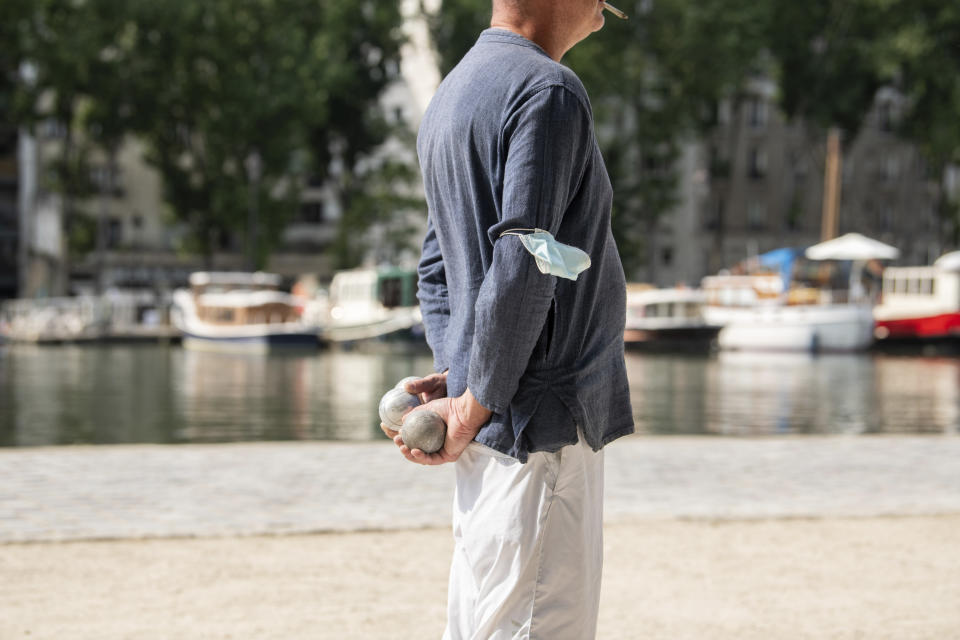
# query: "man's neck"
540,30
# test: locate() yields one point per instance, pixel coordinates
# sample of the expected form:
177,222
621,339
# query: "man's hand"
464,417
431,387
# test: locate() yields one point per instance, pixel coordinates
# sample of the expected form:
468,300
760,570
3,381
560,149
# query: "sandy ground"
876,578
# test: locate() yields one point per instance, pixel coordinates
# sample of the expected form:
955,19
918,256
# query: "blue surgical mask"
554,258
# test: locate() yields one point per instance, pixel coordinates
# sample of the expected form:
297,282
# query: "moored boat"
372,304
920,304
667,320
757,313
799,300
241,311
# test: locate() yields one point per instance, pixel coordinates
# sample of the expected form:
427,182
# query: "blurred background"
211,210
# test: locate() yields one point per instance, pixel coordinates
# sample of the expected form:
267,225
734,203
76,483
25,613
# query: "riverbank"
877,577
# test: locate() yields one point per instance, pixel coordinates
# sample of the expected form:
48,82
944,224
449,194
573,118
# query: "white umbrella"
948,261
852,246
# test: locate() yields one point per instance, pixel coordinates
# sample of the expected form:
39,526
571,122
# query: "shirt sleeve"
433,297
548,142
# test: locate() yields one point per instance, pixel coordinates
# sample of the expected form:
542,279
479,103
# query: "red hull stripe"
940,326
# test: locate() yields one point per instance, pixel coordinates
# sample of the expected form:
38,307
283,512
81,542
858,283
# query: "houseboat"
920,304
667,320
241,311
373,304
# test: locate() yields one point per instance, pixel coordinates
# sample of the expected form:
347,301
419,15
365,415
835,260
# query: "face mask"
554,258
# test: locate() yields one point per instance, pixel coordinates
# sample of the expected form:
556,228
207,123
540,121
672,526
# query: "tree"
832,57
455,27
293,81
14,20
927,48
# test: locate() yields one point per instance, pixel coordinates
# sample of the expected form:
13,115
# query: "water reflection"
101,395
65,395
766,394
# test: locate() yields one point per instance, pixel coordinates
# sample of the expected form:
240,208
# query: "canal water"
164,394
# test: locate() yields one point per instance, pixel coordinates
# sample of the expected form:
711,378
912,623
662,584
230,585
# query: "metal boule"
402,383
424,430
394,405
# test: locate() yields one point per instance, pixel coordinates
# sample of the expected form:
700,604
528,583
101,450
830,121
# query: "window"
719,164
757,112
114,233
891,168
713,217
391,292
885,117
311,212
666,256
756,215
758,162
886,221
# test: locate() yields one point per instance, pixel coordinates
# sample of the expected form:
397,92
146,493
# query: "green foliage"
927,47
14,16
455,27
206,84
832,57
271,77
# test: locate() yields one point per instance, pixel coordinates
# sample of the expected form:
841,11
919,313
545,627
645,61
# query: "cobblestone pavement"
105,492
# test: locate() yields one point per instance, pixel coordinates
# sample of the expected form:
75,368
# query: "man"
530,369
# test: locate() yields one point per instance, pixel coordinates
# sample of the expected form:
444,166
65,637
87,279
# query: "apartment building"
755,183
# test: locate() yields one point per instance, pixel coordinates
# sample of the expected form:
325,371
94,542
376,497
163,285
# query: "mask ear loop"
520,232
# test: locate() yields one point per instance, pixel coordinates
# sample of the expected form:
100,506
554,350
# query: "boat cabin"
240,298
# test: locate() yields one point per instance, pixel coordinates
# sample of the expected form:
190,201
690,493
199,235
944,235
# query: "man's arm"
433,296
549,142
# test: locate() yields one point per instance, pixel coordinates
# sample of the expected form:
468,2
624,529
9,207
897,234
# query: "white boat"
783,309
757,313
241,311
920,304
367,304
667,319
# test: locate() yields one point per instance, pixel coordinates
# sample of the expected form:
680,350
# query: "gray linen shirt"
507,142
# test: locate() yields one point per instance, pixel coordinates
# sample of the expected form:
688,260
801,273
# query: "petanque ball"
403,382
424,430
394,404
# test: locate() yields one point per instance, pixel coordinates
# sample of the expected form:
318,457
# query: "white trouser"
528,545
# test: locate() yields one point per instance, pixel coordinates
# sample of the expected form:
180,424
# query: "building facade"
755,183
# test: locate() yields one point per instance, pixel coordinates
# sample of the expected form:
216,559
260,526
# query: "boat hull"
699,338
252,344
794,328
933,327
